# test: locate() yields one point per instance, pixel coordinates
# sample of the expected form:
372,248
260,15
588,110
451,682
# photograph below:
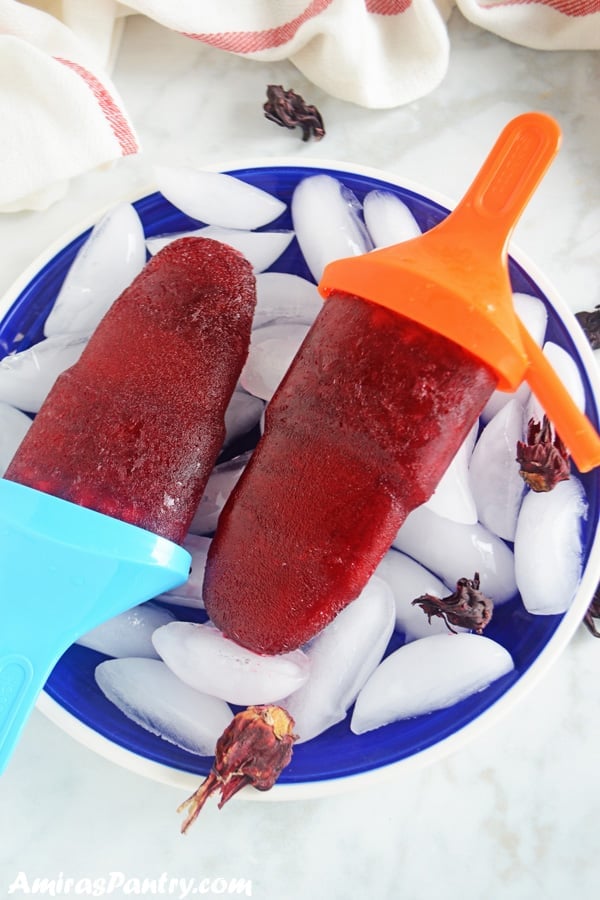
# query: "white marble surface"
515,814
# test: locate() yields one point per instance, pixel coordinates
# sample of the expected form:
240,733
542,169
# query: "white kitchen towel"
62,115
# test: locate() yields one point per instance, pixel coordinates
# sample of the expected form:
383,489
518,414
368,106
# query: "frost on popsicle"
149,694
342,657
216,198
105,265
427,675
128,634
206,660
26,378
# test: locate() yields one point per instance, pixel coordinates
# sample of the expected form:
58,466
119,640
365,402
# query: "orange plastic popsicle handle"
455,280
574,428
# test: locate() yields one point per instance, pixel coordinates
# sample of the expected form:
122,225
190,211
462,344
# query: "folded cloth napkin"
62,114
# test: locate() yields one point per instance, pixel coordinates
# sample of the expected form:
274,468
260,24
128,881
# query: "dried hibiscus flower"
543,458
590,323
467,607
592,613
254,749
288,109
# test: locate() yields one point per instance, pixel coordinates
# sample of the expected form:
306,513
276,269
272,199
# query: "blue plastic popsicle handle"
63,570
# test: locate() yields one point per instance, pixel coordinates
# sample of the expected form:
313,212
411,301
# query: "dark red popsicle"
353,442
134,427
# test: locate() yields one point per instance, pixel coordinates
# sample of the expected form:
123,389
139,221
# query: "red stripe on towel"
572,8
110,110
387,7
253,41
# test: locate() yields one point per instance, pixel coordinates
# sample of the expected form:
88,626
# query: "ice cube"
27,377
453,497
388,219
201,656
534,316
190,593
452,551
497,485
148,693
566,368
282,296
429,674
128,634
219,486
342,657
408,581
548,547
105,265
261,248
327,222
272,349
14,425
242,415
217,198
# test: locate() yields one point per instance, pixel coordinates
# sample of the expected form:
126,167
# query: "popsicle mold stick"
454,279
63,570
575,429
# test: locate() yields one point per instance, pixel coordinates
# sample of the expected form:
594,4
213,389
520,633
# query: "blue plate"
335,756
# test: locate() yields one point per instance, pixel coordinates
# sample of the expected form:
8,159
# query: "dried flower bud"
254,749
467,607
590,322
544,460
592,613
288,109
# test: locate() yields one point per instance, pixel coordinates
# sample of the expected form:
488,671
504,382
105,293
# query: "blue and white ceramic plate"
337,759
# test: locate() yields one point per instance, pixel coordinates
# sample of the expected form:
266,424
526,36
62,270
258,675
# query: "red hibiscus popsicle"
394,372
134,428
